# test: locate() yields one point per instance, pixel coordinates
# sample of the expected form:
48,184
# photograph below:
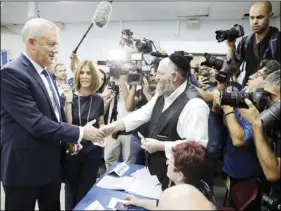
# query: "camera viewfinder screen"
136,56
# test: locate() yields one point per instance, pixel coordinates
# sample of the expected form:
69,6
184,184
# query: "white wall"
98,43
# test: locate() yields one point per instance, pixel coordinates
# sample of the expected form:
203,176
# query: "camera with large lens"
237,99
271,203
144,46
226,67
271,121
235,32
115,68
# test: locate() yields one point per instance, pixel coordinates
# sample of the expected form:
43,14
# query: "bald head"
260,17
262,5
184,197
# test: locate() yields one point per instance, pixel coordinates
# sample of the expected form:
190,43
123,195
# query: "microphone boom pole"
75,50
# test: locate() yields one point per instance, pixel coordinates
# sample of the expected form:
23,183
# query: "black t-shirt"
253,60
97,110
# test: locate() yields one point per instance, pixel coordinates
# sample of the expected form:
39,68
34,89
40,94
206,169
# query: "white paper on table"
115,183
114,201
95,206
142,173
142,188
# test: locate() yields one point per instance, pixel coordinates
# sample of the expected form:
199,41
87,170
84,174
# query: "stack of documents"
141,183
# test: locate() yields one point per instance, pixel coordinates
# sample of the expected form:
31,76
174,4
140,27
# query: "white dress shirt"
192,123
39,70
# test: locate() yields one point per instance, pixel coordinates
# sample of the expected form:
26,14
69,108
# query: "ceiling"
81,12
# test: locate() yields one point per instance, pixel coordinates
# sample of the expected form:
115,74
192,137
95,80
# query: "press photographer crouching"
267,138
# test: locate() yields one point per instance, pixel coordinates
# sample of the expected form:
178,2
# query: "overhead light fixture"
1,5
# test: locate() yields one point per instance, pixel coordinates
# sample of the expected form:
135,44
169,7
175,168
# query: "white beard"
166,90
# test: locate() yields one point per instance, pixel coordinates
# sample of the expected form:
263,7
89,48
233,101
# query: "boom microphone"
100,19
102,14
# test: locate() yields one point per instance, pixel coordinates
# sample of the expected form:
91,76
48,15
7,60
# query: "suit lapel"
32,71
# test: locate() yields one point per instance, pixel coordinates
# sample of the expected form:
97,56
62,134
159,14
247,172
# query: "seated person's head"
184,197
187,163
266,67
87,76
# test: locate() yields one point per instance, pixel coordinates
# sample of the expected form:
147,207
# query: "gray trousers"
114,147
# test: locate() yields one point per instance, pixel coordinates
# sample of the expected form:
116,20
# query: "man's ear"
176,76
271,15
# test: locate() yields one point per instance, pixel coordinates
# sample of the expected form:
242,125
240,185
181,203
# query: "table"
104,195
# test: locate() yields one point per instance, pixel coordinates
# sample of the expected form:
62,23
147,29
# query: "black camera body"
270,202
226,67
237,99
235,32
144,46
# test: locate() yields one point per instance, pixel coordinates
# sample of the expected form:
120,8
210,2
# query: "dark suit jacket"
30,132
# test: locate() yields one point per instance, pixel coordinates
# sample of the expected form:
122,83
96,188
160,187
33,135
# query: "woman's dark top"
97,110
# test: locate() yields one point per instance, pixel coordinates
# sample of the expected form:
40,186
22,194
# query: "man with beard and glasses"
176,112
264,43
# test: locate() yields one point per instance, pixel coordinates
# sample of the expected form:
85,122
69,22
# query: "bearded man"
176,112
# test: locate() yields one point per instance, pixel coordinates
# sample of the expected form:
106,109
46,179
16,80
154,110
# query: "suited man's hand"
93,134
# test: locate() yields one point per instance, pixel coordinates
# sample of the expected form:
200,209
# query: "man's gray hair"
273,78
35,28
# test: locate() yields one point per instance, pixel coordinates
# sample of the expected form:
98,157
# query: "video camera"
144,46
237,99
115,68
235,32
226,67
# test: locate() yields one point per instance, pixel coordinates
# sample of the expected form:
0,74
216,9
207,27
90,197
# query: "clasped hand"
98,136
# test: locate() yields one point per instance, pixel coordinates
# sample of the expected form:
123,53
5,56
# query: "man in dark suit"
32,123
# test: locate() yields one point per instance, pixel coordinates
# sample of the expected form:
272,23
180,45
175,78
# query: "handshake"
97,136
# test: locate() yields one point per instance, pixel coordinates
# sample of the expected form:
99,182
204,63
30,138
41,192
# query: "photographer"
240,160
263,43
265,68
119,141
267,147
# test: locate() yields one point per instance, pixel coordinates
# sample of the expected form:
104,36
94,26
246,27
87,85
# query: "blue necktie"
47,76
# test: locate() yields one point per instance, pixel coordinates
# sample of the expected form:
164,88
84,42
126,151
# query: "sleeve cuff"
127,124
81,134
168,148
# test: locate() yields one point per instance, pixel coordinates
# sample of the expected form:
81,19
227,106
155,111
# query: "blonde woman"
82,107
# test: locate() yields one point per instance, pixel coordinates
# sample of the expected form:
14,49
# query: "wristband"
231,112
